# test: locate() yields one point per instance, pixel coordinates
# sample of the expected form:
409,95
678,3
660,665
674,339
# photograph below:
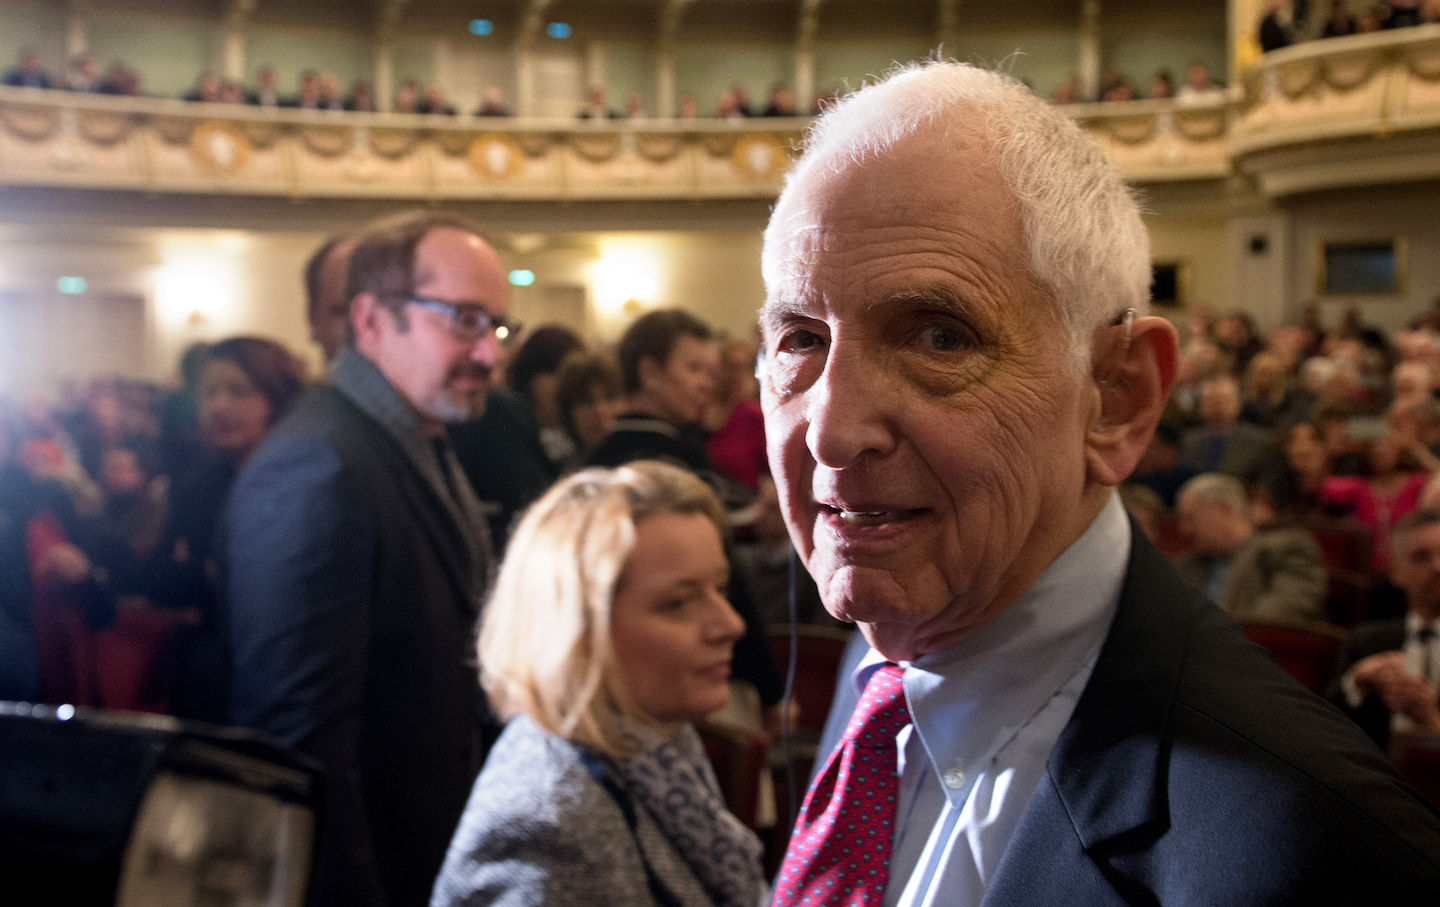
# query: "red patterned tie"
839,853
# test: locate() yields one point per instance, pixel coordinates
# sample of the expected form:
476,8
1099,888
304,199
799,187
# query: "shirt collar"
1414,623
968,700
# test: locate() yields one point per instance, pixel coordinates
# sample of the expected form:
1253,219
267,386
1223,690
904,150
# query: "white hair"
1217,488
1082,225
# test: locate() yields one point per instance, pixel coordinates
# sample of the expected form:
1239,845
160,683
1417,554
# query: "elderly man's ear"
1132,383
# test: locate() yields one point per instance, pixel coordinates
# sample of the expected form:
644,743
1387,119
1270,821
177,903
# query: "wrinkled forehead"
924,197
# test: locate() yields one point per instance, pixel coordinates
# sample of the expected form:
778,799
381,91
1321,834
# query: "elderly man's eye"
944,337
798,341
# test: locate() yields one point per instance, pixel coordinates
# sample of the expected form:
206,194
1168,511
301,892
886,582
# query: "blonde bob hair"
545,648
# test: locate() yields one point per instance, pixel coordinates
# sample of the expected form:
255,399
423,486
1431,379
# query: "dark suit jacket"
1251,454
1366,639
504,460
353,599
1195,771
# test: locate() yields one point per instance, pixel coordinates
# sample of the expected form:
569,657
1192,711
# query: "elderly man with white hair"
959,370
1251,575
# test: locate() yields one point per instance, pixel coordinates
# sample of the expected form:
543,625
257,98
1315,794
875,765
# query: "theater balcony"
1341,112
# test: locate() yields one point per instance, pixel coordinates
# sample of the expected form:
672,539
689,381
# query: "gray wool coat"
540,830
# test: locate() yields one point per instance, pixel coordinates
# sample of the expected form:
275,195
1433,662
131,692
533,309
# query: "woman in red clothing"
1391,490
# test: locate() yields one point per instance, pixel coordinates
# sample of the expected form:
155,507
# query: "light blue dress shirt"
986,713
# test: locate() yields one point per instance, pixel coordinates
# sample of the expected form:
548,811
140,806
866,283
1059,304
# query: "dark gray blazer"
352,602
1251,454
1277,575
1195,771
540,830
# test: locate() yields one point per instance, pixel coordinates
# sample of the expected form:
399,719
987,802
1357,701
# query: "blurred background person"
534,373
246,385
589,395
733,418
607,635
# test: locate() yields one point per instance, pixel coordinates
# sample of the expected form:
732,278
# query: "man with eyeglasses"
358,555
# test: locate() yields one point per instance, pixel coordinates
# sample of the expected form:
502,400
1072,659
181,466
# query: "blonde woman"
607,634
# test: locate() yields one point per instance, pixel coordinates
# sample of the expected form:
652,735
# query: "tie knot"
881,712
1425,633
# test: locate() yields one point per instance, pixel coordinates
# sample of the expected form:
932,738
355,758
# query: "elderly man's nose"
849,413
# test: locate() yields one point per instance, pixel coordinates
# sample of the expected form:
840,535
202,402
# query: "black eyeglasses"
469,321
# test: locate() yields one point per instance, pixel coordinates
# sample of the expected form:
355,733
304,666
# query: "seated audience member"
742,99
634,106
1275,29
1403,14
246,385
1123,90
492,103
534,373
1391,668
1238,340
19,503
362,98
1307,466
589,395
668,364
407,98
595,107
765,564
1198,87
734,420
330,97
120,80
1368,19
1268,396
1162,85
688,108
1160,468
434,102
309,96
83,74
1147,509
1335,418
1390,489
782,102
1339,23
1276,575
607,634
206,90
1415,423
1411,381
267,91
727,108
1067,92
1225,444
30,73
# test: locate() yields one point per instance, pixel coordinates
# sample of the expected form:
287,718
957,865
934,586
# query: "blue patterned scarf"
673,779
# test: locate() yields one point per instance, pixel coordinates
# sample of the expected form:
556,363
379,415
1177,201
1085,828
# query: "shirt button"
954,778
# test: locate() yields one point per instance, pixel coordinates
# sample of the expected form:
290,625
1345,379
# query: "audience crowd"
324,91
1286,23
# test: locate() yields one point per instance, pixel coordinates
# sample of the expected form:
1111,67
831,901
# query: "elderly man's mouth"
859,518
